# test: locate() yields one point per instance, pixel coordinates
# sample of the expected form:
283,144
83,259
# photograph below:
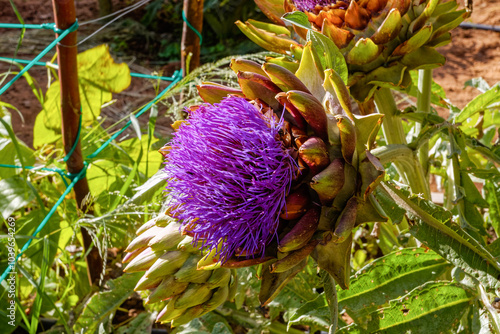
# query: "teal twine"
48,26
177,76
66,158
37,58
44,221
136,75
184,18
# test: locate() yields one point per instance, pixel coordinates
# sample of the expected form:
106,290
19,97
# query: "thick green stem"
424,105
331,297
412,174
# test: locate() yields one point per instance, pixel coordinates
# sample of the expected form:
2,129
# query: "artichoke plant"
266,174
381,40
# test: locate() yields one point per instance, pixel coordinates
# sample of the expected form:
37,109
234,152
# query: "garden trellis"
72,177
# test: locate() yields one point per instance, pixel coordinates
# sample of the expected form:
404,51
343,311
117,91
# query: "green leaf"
389,277
432,225
428,309
98,76
149,189
395,212
15,195
37,304
102,304
479,103
329,54
492,196
298,291
10,156
207,324
478,83
314,313
154,159
297,18
142,323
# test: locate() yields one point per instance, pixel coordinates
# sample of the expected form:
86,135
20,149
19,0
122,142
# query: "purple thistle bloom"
228,175
309,5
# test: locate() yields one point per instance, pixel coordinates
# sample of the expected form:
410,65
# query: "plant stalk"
331,297
394,134
424,105
65,16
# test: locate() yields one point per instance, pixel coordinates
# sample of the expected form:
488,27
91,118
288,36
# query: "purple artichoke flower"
309,5
228,175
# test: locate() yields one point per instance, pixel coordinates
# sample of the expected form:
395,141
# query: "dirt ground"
473,53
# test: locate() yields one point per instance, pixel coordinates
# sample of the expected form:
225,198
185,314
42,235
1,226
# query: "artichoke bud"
329,182
314,153
302,232
296,204
346,221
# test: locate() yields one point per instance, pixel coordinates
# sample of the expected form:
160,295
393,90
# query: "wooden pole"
65,16
190,44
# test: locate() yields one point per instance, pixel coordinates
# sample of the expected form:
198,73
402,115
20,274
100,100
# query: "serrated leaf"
314,313
102,304
395,213
142,323
391,276
479,103
492,196
428,309
432,225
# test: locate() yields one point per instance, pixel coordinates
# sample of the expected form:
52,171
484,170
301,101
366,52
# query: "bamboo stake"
190,44
65,16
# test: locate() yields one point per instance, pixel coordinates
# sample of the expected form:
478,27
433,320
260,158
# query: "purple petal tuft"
228,176
309,5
